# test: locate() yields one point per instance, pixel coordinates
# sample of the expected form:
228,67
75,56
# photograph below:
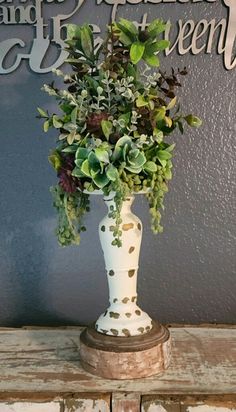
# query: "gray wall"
187,274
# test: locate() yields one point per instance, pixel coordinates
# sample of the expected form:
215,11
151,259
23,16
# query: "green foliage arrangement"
116,114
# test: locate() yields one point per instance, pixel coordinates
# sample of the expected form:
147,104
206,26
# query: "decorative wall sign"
200,35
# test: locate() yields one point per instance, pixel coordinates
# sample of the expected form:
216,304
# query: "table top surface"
39,360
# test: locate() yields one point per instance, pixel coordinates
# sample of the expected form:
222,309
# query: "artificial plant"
114,121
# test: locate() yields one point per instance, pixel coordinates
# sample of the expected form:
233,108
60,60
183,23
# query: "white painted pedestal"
125,343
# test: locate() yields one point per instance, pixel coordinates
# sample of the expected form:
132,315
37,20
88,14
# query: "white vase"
123,317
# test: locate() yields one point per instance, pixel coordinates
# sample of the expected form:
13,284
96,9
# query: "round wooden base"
125,357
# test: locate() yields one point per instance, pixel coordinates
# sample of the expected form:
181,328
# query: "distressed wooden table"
40,372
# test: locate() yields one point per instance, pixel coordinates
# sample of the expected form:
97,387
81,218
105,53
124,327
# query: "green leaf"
150,167
112,172
101,180
140,102
129,25
168,173
152,60
158,134
87,41
82,153
85,169
193,121
168,121
70,149
125,140
133,169
156,27
66,108
163,155
42,112
136,51
73,31
73,115
106,128
125,36
151,104
77,172
170,148
55,160
102,155
93,161
172,103
71,137
57,123
46,126
160,113
131,71
125,117
162,45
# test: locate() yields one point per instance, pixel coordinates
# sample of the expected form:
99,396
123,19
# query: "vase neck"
126,204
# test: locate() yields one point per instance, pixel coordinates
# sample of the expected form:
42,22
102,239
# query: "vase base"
125,357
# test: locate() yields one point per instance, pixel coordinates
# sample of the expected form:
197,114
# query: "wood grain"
125,402
46,361
133,357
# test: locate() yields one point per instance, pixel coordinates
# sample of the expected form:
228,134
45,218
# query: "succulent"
129,155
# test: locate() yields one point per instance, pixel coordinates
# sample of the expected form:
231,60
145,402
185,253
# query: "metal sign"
201,35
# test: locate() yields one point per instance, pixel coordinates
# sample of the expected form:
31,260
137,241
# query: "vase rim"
98,192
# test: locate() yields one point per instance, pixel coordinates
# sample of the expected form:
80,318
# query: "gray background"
187,274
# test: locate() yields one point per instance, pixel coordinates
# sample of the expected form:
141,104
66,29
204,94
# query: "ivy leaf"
136,51
106,128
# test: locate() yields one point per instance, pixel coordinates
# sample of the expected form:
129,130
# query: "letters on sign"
200,36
